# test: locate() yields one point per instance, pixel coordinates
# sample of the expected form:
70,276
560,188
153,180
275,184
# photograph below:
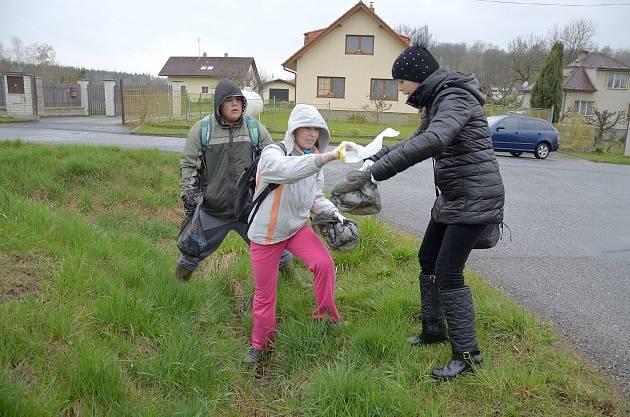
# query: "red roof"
310,38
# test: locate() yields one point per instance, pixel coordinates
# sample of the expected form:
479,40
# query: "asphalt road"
569,256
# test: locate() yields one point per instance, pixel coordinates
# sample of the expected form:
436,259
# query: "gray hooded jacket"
228,154
287,208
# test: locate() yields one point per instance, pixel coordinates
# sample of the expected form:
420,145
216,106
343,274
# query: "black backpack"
245,204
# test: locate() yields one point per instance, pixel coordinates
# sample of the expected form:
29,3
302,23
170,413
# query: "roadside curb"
167,135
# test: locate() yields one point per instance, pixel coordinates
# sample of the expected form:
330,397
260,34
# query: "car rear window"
542,125
527,124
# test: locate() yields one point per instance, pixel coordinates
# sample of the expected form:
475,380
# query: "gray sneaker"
253,355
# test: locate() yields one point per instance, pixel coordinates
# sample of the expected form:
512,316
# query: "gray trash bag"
357,195
340,236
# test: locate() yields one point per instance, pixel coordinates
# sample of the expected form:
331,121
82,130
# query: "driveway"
569,256
95,130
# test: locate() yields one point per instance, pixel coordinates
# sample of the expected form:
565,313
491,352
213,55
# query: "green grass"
104,329
5,118
601,157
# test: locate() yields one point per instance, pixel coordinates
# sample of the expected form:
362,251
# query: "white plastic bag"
360,153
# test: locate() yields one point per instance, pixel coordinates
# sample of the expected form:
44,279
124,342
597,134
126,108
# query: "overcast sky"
139,36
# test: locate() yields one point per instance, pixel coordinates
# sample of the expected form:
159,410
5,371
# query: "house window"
204,90
331,87
618,80
583,107
383,89
359,45
15,84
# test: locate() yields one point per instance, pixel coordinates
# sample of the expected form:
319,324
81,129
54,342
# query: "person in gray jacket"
228,153
454,132
282,221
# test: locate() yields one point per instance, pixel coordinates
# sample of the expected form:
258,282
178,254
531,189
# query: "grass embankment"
601,157
94,323
357,132
5,118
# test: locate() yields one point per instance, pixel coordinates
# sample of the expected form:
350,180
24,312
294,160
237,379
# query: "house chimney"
372,6
205,54
582,55
225,55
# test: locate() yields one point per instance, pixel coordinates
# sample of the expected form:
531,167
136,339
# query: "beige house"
594,80
279,89
347,64
201,74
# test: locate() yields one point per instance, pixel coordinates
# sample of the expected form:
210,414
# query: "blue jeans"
215,235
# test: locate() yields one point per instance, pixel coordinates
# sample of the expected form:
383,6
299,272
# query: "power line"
554,4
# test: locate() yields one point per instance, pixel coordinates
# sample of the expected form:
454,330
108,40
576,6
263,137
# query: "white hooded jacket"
287,208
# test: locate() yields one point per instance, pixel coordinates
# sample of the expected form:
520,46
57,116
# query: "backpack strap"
268,189
206,130
252,127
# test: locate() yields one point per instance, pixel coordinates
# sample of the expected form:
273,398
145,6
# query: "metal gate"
96,99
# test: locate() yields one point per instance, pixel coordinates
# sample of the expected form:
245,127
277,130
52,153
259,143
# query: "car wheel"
516,154
542,150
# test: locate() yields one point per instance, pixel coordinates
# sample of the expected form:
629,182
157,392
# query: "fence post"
84,97
39,90
551,111
122,101
626,151
110,106
273,114
176,94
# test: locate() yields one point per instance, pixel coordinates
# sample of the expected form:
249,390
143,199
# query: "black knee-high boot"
460,317
432,312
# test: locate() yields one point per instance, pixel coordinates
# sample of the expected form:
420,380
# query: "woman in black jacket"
454,131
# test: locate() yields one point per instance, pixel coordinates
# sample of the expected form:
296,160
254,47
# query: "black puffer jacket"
454,131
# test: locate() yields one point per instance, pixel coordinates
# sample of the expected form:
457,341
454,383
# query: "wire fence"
576,134
61,94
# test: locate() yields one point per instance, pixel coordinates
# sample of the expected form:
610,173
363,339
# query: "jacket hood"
441,79
226,89
305,115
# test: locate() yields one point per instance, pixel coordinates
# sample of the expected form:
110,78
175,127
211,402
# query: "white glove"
366,165
340,216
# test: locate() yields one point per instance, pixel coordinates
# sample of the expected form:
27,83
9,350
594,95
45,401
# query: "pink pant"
307,246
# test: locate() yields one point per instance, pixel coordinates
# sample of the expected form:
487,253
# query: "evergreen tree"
547,90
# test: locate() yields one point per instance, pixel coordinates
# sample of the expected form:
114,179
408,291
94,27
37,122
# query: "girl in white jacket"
281,221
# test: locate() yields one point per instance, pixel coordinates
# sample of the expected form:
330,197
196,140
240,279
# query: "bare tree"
4,53
526,54
576,36
603,120
18,51
414,31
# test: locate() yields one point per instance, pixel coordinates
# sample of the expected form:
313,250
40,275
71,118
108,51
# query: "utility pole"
198,46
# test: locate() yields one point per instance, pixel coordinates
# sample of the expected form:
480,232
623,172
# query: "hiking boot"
182,274
253,355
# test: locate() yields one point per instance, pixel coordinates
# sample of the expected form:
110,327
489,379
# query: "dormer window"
359,45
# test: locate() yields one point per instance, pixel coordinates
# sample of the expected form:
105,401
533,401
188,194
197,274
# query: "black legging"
444,251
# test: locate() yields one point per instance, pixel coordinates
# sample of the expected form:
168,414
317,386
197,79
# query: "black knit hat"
415,63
